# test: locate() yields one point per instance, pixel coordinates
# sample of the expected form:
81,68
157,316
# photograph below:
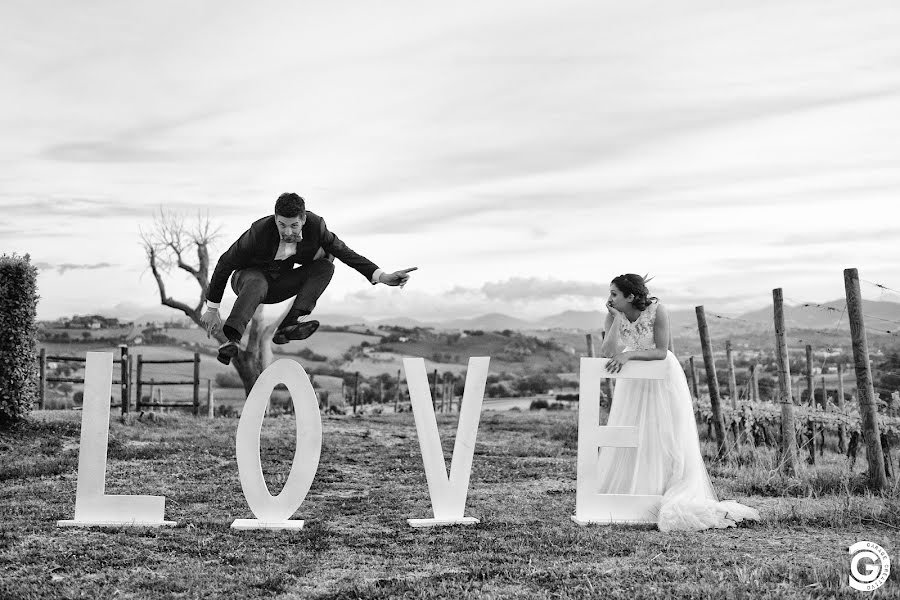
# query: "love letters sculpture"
93,507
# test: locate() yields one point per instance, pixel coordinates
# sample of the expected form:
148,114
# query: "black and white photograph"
481,300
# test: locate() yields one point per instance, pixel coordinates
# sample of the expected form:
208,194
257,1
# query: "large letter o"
268,508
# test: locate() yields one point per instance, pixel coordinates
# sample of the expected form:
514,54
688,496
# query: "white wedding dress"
667,461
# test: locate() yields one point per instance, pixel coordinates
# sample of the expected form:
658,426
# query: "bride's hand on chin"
613,311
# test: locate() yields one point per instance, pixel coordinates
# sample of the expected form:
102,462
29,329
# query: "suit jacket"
256,248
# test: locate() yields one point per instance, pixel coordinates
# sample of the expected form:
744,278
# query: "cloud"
534,288
94,208
830,238
104,151
62,268
42,206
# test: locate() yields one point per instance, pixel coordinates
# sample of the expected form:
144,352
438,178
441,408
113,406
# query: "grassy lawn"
357,544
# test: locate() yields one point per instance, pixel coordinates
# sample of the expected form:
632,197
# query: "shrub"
538,404
310,355
229,379
18,308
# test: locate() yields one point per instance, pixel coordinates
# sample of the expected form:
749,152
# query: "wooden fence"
128,379
195,382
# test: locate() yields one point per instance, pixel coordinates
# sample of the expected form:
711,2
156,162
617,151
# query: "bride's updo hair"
631,283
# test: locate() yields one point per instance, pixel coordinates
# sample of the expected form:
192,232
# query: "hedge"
18,337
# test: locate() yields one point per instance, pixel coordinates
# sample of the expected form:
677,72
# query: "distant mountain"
878,315
405,322
829,316
488,322
573,319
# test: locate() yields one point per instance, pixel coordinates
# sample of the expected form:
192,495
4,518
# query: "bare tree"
169,244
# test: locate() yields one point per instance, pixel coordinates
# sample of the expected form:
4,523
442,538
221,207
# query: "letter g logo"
869,566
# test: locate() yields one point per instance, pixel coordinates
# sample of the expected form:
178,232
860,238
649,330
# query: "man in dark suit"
263,260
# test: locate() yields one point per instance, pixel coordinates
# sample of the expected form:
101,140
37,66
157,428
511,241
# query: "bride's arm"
611,339
660,337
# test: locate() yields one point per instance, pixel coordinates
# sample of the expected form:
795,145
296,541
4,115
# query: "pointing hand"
397,277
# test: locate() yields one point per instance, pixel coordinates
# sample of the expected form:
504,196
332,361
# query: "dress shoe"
227,351
295,331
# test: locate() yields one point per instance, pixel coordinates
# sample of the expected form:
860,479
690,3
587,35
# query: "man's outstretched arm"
334,246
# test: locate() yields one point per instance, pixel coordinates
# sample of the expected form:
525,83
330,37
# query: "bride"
667,461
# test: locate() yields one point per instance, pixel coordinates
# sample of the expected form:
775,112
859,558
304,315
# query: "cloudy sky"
519,154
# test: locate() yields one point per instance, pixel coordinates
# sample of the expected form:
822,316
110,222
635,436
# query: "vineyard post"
840,398
712,383
824,394
810,422
865,391
788,436
755,382
809,375
694,380
732,380
842,428
434,390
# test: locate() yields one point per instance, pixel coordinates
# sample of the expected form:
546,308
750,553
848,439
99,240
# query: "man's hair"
290,205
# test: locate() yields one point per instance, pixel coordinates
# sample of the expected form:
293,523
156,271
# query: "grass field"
357,544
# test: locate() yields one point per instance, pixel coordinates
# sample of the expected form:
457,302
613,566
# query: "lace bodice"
639,335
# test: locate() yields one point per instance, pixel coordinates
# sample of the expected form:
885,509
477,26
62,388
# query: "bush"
310,355
18,308
538,404
229,379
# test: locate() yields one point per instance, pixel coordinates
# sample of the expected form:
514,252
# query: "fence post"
810,386
865,391
137,383
754,382
42,378
397,397
355,392
196,384
434,390
842,427
130,379
210,401
788,459
694,380
824,394
712,383
840,398
732,380
123,368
